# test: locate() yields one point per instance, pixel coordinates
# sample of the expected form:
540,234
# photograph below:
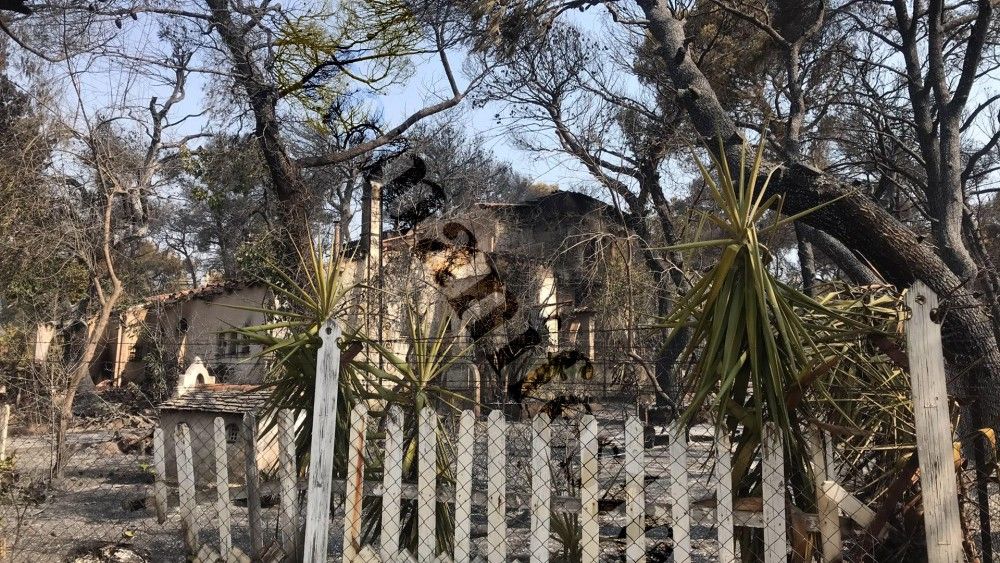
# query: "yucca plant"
303,301
413,381
749,343
868,407
866,400
870,410
866,403
371,372
758,346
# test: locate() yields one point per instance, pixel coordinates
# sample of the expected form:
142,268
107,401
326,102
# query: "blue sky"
428,85
109,83
429,80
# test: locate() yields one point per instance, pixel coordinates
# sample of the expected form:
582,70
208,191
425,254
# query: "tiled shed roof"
207,291
219,397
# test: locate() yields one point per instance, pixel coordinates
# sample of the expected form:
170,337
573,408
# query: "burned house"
165,334
532,290
524,286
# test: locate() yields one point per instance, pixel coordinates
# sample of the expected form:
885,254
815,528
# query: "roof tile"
220,397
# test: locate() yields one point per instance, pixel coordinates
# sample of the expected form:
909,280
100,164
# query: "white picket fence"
286,547
673,509
496,502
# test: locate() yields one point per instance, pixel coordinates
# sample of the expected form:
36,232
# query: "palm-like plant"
412,382
371,372
750,343
760,350
867,398
304,300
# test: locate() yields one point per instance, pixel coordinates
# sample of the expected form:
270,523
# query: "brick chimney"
371,250
371,225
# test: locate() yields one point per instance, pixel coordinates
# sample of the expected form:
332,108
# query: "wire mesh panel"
596,487
574,471
539,489
237,487
156,493
98,498
590,488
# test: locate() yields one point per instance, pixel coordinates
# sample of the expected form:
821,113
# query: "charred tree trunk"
286,176
92,338
903,257
807,260
852,266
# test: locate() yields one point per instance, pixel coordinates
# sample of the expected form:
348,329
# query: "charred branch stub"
18,6
411,196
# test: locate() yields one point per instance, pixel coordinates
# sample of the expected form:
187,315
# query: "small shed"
198,405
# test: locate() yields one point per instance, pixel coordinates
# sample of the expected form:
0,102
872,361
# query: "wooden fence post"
223,510
496,487
541,488
4,420
680,511
392,483
426,484
933,428
288,476
159,482
464,453
252,485
355,482
321,451
724,498
828,511
635,497
773,493
186,487
589,486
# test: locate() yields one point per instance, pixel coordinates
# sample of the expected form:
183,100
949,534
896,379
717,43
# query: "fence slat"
680,508
427,485
206,555
288,518
933,428
185,486
392,482
590,542
321,449
635,498
159,482
4,421
773,491
367,555
541,487
724,498
463,485
851,505
223,510
249,432
827,511
355,482
496,489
